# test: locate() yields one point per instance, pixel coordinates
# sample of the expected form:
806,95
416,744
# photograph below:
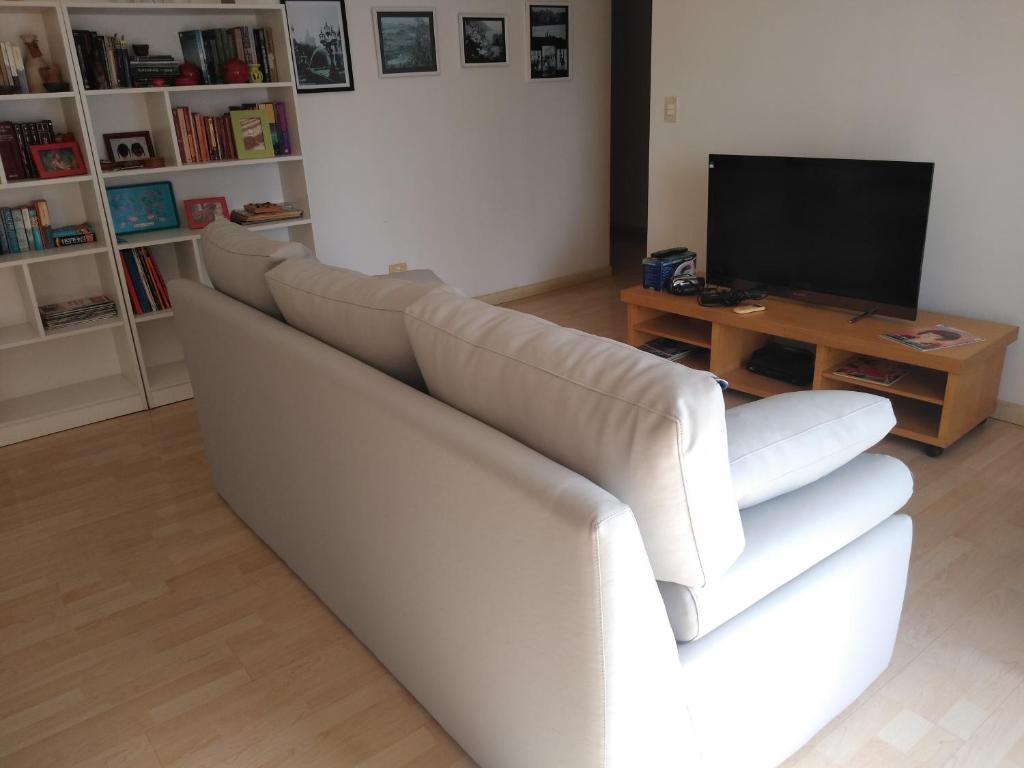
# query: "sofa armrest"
782,443
789,535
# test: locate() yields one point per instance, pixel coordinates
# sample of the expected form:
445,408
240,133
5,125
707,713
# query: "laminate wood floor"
143,625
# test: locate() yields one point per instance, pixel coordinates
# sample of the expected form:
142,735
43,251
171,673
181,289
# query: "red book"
136,307
158,279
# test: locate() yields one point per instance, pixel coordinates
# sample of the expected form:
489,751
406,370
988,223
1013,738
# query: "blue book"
133,271
5,246
12,235
37,233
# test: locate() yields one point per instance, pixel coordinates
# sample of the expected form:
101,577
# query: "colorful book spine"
282,128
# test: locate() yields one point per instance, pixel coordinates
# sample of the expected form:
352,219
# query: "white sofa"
731,584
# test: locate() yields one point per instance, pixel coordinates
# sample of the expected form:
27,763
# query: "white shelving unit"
178,252
55,380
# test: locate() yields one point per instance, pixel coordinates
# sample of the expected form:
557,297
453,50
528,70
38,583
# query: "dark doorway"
631,131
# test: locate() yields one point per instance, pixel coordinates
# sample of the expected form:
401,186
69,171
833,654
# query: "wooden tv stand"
947,393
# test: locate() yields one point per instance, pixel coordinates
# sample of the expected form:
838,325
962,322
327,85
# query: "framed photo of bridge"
318,33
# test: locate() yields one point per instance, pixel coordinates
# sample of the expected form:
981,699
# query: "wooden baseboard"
1011,412
526,291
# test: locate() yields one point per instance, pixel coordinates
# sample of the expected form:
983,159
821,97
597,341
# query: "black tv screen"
844,232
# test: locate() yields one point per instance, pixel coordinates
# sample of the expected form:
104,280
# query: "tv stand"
946,394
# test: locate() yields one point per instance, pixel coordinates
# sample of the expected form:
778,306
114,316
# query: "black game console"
794,365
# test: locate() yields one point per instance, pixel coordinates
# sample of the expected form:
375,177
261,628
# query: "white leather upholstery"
237,259
782,443
359,315
789,535
649,431
763,684
512,597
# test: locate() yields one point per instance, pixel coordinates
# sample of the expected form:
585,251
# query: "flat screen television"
849,233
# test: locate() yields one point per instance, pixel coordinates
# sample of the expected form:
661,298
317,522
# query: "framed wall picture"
55,160
251,130
548,31
318,30
406,43
200,211
483,40
131,145
143,207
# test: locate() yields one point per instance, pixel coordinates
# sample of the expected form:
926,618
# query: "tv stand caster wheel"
933,451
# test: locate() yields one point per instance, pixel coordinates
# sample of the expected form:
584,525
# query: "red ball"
190,70
235,71
185,80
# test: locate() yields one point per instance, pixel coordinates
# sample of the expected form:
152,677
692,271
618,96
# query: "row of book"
261,213
106,62
65,314
210,49
206,139
15,140
12,68
146,287
27,229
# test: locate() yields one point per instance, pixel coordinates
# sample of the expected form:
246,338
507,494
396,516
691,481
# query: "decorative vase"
255,73
235,71
35,64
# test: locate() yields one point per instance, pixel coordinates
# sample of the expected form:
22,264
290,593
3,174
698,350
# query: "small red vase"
235,71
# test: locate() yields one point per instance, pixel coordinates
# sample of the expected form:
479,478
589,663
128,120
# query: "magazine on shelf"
933,337
872,370
671,350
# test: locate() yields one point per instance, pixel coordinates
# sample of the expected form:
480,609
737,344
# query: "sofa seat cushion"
238,259
649,431
789,535
360,315
784,442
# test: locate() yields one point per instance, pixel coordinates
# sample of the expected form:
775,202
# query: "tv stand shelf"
946,394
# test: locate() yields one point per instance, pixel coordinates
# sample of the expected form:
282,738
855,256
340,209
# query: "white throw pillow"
237,259
785,442
648,431
360,315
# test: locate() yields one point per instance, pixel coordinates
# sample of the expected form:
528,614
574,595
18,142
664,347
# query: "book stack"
260,213
206,139
12,69
146,286
106,63
210,49
15,140
65,314
668,349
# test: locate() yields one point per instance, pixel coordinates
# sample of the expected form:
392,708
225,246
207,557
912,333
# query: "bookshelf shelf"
114,176
168,375
148,317
183,235
186,88
96,325
71,397
51,254
16,335
32,183
10,97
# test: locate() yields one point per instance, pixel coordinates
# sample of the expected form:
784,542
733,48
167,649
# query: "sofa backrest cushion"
360,315
237,260
649,431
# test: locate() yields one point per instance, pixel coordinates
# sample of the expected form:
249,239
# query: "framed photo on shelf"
55,160
132,145
318,32
251,129
406,43
483,40
200,211
548,31
143,207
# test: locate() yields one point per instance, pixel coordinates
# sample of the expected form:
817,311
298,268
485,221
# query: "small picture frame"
143,207
549,36
318,33
53,161
251,130
406,42
200,211
131,146
483,40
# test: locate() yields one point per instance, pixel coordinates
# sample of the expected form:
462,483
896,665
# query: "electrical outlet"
671,109
400,266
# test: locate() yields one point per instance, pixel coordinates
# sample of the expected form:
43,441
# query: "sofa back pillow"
360,315
237,260
649,431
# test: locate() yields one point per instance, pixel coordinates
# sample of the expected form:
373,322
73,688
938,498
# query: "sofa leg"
933,451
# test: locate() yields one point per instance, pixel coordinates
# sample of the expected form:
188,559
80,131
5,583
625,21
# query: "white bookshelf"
178,251
55,380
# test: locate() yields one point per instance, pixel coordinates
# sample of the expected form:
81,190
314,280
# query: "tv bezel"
819,297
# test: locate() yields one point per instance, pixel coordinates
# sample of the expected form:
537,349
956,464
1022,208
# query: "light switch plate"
671,108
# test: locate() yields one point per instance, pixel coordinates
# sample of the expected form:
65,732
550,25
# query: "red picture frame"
63,158
200,211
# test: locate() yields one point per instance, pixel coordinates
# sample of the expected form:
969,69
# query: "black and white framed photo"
483,40
406,43
318,31
548,33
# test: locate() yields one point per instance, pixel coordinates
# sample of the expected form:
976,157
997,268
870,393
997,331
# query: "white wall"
489,180
929,80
